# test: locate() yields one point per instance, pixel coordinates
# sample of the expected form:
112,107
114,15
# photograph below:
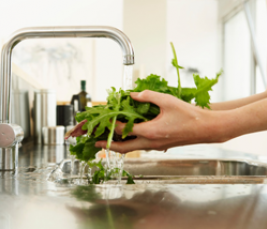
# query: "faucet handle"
10,134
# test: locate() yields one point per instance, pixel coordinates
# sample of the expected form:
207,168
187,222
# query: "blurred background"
208,35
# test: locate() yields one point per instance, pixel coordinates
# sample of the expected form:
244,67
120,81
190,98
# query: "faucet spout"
53,32
15,134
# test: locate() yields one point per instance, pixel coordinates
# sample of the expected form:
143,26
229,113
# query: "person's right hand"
178,123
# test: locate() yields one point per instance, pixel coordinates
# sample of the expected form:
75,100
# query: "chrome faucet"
12,134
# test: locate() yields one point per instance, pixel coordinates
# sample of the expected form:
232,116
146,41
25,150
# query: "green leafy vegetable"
101,119
204,85
85,148
153,83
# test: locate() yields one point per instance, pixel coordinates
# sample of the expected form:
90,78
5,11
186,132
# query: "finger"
139,129
152,97
101,144
127,146
119,127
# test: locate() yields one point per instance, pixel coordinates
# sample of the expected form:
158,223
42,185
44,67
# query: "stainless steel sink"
197,171
176,171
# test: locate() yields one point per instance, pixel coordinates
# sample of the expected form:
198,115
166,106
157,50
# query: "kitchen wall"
62,63
145,24
193,27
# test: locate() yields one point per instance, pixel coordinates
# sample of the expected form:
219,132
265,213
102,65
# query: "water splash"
81,172
120,167
89,175
107,158
72,158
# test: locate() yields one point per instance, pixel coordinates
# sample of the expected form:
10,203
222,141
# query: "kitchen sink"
197,171
176,171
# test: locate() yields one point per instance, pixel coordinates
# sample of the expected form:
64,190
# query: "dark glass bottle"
84,97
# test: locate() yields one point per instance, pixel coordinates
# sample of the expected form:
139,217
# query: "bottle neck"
83,85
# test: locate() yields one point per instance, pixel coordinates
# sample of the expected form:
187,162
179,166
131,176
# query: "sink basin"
197,171
176,171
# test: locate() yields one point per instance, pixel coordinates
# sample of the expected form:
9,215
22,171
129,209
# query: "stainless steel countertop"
28,200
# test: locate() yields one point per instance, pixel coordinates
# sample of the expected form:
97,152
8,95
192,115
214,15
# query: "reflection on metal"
10,137
255,44
9,158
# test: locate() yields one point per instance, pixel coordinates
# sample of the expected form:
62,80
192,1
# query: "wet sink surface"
28,200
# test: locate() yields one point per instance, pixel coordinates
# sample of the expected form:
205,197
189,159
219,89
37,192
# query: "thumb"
157,98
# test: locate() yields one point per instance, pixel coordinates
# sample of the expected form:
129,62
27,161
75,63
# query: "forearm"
238,102
244,120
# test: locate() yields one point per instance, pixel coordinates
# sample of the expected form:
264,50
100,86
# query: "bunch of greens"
120,106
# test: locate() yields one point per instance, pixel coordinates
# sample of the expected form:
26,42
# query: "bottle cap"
83,84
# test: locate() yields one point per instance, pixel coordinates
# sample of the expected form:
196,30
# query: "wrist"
221,126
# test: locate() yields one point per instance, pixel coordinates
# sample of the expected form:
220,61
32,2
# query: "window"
241,66
237,58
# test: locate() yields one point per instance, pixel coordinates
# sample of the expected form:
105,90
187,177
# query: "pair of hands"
178,123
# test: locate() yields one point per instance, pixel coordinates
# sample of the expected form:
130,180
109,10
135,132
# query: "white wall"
99,62
192,26
261,34
237,58
145,24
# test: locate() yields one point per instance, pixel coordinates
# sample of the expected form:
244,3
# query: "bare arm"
248,119
180,123
238,102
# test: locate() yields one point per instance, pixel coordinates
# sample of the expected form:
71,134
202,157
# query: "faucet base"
9,158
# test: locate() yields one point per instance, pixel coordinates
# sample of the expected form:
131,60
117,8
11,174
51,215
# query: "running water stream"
117,159
127,77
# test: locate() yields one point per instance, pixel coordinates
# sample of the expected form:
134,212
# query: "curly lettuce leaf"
152,83
85,148
204,85
187,94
